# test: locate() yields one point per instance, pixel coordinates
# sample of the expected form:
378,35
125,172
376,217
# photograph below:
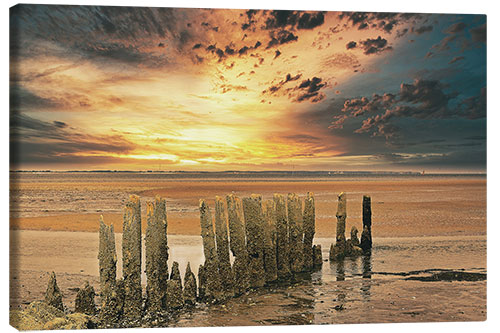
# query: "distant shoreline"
260,174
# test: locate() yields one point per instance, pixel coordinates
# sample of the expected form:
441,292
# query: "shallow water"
366,289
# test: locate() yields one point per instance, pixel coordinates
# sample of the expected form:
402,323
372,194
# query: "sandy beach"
402,207
421,226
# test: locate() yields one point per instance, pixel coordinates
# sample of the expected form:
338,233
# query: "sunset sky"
197,89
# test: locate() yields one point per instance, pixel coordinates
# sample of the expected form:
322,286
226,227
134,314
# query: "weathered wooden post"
53,296
366,235
338,250
238,244
282,237
156,255
225,272
296,234
210,273
110,302
254,225
132,252
309,230
270,264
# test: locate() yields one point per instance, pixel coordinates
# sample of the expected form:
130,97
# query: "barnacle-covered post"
270,265
296,233
209,276
110,302
156,255
282,237
238,244
254,224
366,235
309,230
225,272
132,254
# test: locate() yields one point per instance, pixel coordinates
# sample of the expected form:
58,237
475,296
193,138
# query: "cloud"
375,45
478,34
279,19
422,29
475,107
422,99
455,59
456,36
311,21
456,28
383,21
351,45
281,37
37,141
307,90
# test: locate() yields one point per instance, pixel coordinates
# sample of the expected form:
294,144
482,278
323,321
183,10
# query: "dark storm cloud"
422,29
35,141
456,28
307,90
351,45
121,53
24,99
456,36
375,45
281,37
278,20
98,32
422,99
311,21
475,106
478,34
383,21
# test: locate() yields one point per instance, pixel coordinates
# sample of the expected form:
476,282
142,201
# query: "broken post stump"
254,225
366,235
156,255
309,230
53,296
212,285
84,302
317,256
189,291
343,248
174,299
282,237
132,252
296,234
238,244
270,265
225,271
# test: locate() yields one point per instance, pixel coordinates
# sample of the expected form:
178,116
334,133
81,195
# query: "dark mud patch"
450,276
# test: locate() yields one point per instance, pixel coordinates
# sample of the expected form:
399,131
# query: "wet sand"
354,291
402,207
418,223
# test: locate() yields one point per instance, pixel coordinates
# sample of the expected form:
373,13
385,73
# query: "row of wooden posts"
271,241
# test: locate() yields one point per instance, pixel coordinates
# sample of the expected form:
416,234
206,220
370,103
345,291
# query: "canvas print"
174,167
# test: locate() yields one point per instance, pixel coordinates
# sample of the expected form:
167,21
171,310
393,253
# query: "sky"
137,88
